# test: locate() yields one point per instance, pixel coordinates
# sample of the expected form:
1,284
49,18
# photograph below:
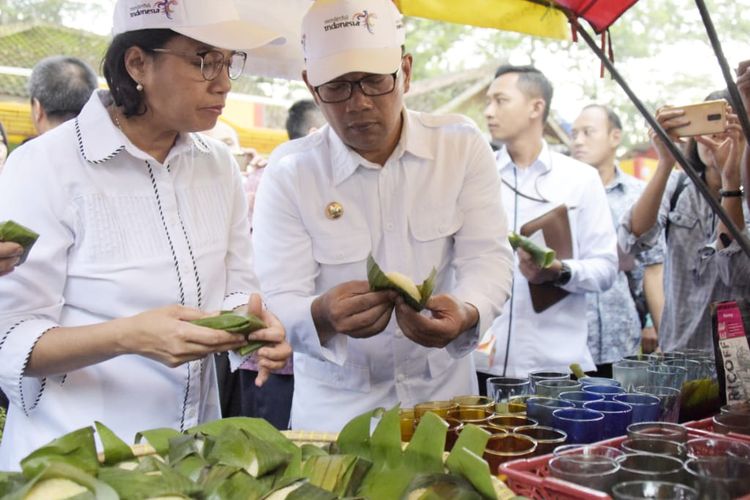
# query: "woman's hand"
669,119
275,355
725,151
10,254
167,336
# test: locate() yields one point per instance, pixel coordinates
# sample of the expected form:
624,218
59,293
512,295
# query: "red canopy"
599,13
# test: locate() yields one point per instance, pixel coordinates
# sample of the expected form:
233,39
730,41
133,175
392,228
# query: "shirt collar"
543,162
618,182
414,140
100,140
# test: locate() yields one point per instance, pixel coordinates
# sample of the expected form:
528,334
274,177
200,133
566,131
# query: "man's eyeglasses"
371,85
212,62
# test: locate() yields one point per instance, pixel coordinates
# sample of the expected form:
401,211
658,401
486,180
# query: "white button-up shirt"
555,338
434,203
120,233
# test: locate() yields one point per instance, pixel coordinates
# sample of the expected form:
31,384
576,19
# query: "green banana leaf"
10,481
242,324
115,449
260,429
186,445
77,449
192,467
158,438
95,489
425,450
311,450
227,483
15,232
339,474
300,490
379,280
137,484
466,459
354,438
239,448
543,256
440,487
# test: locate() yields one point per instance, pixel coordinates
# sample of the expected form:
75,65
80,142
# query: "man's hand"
649,340
275,355
535,274
352,309
10,254
449,319
743,83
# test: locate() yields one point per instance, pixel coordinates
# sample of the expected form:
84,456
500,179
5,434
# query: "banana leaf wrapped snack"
414,295
15,232
543,256
241,324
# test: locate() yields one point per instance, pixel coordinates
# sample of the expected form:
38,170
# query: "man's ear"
37,113
537,108
615,137
406,67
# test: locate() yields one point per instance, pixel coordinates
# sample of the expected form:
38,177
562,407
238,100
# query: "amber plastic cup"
503,447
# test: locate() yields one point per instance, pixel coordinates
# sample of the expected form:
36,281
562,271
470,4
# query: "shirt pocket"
429,224
349,376
341,248
679,219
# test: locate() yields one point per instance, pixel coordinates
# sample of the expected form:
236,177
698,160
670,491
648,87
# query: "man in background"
59,86
546,330
303,119
619,317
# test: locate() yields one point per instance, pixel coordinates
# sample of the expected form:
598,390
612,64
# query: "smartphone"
706,118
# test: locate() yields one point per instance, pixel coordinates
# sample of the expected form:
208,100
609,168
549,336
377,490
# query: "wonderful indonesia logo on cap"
165,7
364,18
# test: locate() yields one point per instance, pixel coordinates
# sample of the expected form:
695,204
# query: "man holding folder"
558,202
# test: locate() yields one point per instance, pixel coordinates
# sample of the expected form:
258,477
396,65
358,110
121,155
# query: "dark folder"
555,226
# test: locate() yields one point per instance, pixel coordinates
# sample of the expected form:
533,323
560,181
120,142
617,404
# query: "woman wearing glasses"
143,228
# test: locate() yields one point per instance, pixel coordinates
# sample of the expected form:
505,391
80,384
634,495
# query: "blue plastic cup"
540,409
606,391
646,407
582,425
580,397
598,381
617,416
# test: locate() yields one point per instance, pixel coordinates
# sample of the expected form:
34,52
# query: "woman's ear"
135,63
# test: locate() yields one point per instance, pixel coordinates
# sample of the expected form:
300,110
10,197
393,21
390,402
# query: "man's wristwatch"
564,276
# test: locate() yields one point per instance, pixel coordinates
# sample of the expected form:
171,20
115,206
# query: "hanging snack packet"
731,331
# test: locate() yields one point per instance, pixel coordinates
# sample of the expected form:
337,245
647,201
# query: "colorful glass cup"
646,407
617,416
582,425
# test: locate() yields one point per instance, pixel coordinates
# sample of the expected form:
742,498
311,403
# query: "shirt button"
389,226
400,377
398,333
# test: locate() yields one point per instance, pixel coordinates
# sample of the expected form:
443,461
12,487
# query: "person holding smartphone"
700,251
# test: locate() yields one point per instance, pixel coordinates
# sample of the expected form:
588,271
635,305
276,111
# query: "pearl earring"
139,87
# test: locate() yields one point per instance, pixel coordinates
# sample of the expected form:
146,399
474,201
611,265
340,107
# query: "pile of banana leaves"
247,458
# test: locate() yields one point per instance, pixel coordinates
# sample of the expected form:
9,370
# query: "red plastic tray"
530,477
707,425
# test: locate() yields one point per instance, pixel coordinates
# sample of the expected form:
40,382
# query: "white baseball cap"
214,22
345,36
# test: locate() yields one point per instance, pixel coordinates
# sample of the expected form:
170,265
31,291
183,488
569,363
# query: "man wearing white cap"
412,189
143,228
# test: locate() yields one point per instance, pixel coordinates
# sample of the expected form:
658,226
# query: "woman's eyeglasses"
212,61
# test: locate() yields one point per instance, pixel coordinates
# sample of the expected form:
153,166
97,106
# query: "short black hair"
303,115
121,85
614,120
62,85
532,82
3,135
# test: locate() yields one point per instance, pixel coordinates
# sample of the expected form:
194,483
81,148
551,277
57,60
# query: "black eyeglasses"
212,61
371,85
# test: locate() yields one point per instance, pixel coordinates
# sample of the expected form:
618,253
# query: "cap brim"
233,35
381,61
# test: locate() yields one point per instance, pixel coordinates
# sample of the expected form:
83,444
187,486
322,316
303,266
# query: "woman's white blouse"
120,234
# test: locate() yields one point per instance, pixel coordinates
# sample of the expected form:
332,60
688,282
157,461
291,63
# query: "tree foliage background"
660,46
